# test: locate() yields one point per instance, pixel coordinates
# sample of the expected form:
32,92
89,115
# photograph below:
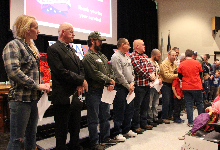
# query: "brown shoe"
166,121
138,130
148,127
170,118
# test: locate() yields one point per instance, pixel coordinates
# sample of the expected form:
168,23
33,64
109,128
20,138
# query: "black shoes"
152,124
97,147
109,141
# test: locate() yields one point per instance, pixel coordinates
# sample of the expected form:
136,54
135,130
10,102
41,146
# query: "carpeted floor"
162,137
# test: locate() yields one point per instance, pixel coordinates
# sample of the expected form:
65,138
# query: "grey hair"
171,51
64,26
182,56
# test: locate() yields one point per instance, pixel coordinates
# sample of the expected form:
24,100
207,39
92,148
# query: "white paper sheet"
130,97
43,104
107,96
156,85
71,98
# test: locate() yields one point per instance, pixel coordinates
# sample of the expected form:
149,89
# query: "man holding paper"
154,90
68,81
99,74
144,73
124,73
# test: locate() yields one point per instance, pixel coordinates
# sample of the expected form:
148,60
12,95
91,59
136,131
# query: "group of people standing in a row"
72,76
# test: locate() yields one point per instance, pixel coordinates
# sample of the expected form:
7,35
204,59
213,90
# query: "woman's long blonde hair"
22,25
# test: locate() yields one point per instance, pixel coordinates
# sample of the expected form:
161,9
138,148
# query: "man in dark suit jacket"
67,74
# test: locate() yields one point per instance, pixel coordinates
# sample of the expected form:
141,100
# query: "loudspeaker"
215,23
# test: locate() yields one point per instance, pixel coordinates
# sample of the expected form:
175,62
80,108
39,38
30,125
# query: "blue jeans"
123,112
167,100
192,96
154,101
23,122
141,103
97,112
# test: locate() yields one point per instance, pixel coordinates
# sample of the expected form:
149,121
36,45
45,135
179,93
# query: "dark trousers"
213,92
205,95
167,100
141,104
67,117
123,112
177,108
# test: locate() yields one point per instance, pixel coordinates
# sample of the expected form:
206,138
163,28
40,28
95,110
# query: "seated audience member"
214,83
190,72
209,115
124,85
206,87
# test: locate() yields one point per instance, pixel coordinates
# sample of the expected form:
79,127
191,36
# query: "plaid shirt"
22,71
142,68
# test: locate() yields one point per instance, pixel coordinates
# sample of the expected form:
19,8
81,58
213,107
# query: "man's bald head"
139,46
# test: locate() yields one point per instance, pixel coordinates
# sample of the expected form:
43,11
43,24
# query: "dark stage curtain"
6,34
138,20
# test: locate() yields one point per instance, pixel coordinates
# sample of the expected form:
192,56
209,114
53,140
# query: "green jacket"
98,70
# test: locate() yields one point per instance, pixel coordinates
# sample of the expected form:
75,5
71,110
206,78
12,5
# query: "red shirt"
176,84
190,70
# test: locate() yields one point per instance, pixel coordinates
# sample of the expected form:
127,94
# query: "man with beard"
98,74
154,94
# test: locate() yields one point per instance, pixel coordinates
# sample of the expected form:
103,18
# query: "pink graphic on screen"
91,15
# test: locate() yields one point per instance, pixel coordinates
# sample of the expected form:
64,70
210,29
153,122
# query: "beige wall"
189,22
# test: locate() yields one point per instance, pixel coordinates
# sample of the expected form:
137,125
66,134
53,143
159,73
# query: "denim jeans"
23,123
154,101
167,100
97,112
192,96
141,103
122,111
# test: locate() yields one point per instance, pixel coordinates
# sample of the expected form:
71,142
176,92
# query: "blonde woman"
21,61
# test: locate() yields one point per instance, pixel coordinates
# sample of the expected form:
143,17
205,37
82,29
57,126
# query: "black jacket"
67,72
